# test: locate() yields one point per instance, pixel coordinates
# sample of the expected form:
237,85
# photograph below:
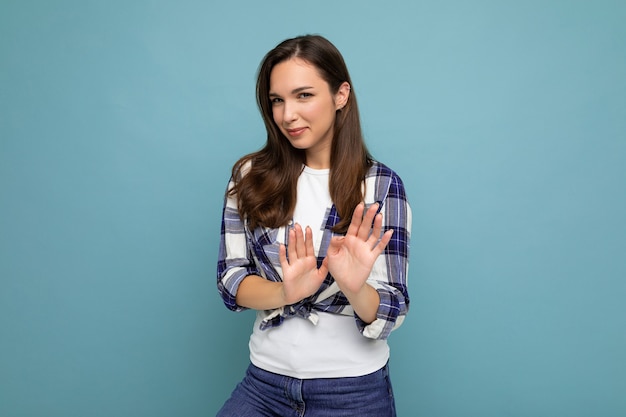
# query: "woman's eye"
305,95
276,100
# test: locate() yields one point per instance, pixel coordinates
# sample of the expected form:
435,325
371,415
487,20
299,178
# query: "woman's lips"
296,132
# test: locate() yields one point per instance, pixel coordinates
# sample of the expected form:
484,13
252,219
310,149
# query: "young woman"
315,237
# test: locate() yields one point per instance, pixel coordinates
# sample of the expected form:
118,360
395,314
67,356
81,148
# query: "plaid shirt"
246,252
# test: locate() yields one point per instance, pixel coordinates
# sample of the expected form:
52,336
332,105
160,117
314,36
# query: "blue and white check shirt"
246,252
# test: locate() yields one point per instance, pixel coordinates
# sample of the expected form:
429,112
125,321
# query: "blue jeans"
263,393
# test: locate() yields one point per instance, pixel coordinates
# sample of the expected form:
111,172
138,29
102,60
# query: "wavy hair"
266,189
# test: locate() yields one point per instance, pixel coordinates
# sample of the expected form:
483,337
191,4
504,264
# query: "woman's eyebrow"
300,89
294,91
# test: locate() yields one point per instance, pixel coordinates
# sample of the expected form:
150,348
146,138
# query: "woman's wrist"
364,302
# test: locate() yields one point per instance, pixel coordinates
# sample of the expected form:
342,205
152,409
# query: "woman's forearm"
365,303
257,293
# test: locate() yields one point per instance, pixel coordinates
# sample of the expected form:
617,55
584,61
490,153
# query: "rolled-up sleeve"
389,274
235,261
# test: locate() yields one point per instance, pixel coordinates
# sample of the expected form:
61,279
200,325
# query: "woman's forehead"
292,74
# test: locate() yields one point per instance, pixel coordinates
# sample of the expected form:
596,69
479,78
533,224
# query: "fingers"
291,247
355,223
282,256
296,246
377,241
300,247
382,244
377,229
361,225
308,242
369,220
365,228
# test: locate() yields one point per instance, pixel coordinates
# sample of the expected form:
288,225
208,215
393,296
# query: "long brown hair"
266,192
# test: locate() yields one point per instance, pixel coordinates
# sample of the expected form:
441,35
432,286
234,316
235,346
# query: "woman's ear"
342,96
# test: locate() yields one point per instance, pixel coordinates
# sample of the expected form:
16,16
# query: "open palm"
350,258
301,277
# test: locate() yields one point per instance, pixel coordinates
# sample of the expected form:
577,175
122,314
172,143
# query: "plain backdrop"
120,121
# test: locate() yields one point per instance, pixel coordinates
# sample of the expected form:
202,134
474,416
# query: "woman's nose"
289,112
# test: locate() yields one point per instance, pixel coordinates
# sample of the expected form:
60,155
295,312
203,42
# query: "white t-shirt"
333,347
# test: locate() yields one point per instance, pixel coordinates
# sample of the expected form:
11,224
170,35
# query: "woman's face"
304,108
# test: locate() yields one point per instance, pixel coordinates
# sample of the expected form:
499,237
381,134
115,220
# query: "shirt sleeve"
389,274
235,260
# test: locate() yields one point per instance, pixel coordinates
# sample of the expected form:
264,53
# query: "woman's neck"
318,160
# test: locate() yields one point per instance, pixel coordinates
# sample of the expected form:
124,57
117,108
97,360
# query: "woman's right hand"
301,277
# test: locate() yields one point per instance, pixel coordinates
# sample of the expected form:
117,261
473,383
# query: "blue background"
119,122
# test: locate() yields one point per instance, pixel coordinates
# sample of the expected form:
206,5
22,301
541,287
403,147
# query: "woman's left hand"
350,258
